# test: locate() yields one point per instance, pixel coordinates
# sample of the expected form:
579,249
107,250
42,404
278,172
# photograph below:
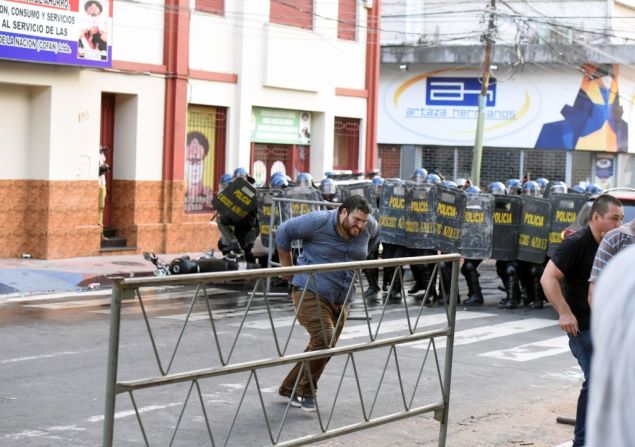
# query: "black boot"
395,293
513,292
474,294
372,276
446,282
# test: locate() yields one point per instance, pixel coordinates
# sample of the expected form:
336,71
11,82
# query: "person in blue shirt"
341,235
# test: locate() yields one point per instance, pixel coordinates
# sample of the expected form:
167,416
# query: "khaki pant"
101,204
320,324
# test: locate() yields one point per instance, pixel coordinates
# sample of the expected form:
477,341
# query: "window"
346,144
346,19
211,6
292,12
204,155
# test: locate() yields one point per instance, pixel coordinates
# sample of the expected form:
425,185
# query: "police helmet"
240,172
593,189
304,179
433,179
496,188
513,186
279,181
578,188
460,182
225,180
449,184
531,188
419,175
473,190
558,187
378,180
542,183
328,187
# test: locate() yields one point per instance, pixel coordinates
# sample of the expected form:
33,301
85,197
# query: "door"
106,140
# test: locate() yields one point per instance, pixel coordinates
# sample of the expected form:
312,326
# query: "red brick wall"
390,158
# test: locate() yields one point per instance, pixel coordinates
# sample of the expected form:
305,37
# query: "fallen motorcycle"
205,264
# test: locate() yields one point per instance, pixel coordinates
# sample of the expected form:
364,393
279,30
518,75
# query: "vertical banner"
507,213
392,210
420,224
478,226
449,209
67,32
535,225
199,158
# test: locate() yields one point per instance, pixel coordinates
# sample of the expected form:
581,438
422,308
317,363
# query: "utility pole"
482,100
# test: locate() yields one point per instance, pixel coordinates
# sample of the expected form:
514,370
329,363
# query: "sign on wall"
67,32
280,126
583,109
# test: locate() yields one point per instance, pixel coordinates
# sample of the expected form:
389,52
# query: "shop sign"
67,32
280,126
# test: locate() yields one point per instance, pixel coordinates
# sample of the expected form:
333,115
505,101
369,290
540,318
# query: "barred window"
346,143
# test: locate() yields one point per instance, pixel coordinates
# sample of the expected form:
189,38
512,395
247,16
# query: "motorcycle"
232,261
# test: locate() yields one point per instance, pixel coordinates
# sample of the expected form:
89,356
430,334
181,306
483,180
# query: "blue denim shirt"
322,245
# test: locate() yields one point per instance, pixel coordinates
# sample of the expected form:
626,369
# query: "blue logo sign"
458,92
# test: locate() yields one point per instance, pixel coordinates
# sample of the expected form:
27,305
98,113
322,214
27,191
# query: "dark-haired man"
571,264
341,235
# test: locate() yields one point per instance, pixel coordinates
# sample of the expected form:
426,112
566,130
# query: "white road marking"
60,354
532,351
488,332
123,414
361,330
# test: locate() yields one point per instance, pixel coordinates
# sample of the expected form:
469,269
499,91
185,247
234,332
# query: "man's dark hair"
601,204
354,203
93,2
202,140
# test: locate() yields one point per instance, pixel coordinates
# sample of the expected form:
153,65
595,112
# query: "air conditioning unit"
368,4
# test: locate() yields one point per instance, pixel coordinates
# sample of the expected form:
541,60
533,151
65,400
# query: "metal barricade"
379,337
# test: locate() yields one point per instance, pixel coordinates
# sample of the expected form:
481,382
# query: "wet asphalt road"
511,368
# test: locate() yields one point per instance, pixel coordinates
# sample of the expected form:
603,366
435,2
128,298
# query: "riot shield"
365,189
420,221
290,210
565,208
478,225
449,208
507,212
392,212
236,201
265,208
535,224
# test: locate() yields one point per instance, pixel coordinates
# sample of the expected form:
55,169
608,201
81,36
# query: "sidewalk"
28,277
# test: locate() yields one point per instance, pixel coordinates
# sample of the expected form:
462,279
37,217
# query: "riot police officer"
530,272
241,235
469,269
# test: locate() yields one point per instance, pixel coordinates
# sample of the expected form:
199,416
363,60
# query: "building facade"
176,93
559,104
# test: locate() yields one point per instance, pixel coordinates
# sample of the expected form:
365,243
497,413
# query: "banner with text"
280,126
67,32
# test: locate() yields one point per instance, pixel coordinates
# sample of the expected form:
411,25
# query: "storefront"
280,142
563,124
